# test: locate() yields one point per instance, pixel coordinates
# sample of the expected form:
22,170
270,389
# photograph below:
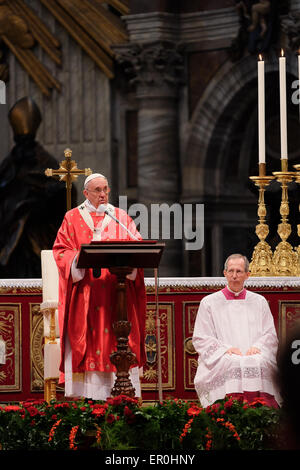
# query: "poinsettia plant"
122,423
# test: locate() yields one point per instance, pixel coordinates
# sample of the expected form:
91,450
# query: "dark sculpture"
259,27
32,205
291,27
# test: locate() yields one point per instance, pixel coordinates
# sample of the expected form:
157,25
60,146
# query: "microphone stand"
106,211
160,393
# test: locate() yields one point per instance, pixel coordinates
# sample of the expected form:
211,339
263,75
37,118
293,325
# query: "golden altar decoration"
285,259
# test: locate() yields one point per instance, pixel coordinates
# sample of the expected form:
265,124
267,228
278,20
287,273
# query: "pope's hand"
252,351
234,351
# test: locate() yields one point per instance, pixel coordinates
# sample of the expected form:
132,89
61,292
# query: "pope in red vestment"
87,303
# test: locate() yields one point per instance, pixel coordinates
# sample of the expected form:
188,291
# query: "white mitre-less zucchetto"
92,176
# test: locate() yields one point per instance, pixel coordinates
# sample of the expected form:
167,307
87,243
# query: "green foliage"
121,423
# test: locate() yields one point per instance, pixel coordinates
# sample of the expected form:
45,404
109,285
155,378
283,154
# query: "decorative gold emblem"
10,327
150,374
151,370
36,348
188,346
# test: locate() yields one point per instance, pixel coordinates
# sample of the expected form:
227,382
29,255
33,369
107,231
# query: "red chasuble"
87,308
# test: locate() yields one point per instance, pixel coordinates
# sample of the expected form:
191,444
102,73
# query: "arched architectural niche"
221,152
230,95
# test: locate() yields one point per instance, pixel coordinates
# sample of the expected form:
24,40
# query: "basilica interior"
161,97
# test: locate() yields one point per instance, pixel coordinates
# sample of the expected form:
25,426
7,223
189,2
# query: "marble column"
155,69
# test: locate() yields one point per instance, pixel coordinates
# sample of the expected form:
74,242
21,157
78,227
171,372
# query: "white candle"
283,117
49,276
261,111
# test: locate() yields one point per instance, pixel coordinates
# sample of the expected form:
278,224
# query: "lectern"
121,257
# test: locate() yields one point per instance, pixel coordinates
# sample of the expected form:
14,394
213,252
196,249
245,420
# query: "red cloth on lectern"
87,309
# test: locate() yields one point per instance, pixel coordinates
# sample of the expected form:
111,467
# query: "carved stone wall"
156,70
89,116
78,117
217,116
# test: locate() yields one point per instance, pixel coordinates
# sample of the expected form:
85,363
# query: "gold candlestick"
261,261
284,258
297,249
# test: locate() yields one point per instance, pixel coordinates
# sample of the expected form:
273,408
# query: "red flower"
134,401
127,411
61,405
115,401
99,409
186,429
32,411
229,426
215,407
194,410
258,401
98,434
110,418
99,406
228,404
208,444
98,412
118,400
12,408
22,413
72,436
32,402
52,430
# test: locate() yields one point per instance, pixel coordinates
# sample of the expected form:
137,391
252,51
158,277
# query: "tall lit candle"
283,115
261,111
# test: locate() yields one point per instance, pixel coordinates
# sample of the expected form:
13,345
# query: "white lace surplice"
241,323
94,385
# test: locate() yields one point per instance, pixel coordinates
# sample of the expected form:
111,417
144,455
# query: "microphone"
106,210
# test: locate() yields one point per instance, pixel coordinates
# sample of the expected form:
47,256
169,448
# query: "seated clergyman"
236,340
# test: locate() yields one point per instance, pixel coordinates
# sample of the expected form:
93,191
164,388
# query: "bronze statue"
259,27
32,205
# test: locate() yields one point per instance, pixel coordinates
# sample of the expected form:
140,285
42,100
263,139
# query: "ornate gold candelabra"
284,257
50,382
297,249
262,262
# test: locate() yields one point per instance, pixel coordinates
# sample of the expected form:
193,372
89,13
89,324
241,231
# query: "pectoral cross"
68,172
